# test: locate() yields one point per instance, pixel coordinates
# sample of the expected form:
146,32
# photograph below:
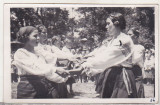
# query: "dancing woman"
33,68
115,57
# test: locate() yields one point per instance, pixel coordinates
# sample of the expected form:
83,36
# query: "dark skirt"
140,89
51,88
71,80
31,87
114,86
62,90
99,82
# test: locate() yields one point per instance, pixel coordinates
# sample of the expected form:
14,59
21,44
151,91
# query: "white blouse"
45,52
30,64
117,52
61,54
138,55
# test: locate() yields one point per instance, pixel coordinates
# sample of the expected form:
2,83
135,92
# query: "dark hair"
24,32
135,31
41,27
118,20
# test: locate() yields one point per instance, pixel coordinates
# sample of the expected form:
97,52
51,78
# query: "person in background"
14,73
70,64
149,66
53,55
41,50
32,68
115,57
49,41
138,58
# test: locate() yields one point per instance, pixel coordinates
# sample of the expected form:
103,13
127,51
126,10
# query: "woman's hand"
89,72
73,59
61,71
76,71
55,77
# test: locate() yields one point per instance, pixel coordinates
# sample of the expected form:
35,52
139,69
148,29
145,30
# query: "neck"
116,33
29,48
135,41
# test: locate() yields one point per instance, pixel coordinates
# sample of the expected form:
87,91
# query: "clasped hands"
79,69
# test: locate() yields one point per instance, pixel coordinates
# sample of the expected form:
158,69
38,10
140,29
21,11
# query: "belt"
32,77
121,67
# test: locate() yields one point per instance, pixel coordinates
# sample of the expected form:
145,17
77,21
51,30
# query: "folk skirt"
114,85
30,87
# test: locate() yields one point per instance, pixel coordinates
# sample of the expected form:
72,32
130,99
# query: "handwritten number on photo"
152,100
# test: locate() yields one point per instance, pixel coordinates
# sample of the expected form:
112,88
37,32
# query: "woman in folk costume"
32,68
138,61
119,81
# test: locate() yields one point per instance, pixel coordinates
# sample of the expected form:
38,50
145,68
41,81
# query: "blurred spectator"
149,66
14,73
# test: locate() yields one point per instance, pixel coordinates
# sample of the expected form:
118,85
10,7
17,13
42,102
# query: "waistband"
30,77
121,67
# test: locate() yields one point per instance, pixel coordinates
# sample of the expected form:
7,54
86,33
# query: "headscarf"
24,32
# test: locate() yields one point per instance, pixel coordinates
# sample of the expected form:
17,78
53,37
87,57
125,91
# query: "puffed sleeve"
93,52
97,50
61,54
118,52
31,65
50,57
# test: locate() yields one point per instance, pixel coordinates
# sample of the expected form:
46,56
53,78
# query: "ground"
87,90
84,90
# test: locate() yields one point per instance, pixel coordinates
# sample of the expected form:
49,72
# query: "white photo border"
7,59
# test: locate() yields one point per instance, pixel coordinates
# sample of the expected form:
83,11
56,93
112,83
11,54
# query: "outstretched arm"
111,56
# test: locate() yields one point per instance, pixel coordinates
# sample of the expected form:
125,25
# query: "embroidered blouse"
116,53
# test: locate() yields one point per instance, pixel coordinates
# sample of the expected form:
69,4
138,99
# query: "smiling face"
111,28
33,38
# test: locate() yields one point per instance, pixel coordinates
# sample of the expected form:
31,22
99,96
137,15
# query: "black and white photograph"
82,52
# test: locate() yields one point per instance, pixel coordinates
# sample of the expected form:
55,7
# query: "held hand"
56,78
89,72
73,59
85,71
62,71
76,71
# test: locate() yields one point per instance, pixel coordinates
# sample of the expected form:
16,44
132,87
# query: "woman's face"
110,27
130,33
43,35
33,38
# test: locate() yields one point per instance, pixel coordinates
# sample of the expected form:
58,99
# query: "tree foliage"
90,26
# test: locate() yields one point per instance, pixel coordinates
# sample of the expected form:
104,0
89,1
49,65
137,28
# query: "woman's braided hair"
118,20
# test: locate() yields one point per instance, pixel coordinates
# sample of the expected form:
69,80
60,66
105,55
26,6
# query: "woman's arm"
62,55
36,70
111,56
26,62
